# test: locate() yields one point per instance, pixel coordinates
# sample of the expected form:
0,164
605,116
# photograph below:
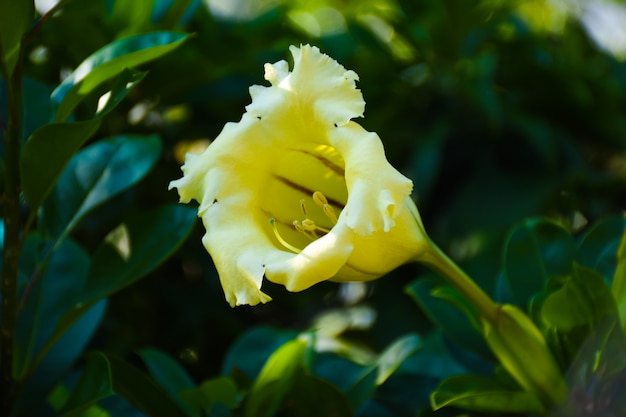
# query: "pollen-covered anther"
329,211
319,199
308,225
298,226
303,208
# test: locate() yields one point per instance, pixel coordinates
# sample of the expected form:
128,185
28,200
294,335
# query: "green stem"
12,241
439,261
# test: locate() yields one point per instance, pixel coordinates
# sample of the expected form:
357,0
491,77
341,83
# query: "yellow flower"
297,192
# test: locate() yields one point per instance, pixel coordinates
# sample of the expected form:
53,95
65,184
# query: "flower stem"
438,260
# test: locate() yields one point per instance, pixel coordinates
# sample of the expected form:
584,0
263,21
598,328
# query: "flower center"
307,226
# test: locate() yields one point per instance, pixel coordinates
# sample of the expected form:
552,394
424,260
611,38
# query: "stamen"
298,226
320,199
280,238
303,208
329,211
308,225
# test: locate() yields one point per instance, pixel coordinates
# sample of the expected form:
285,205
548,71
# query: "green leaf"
386,364
535,251
310,396
109,61
220,390
60,358
107,375
251,349
276,379
480,393
584,299
16,17
136,247
95,175
57,284
46,153
456,325
170,375
619,281
598,247
50,148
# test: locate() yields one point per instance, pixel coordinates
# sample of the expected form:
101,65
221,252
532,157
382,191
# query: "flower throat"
307,226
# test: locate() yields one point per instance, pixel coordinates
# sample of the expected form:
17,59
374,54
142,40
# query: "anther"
298,226
303,208
329,211
308,225
320,199
280,238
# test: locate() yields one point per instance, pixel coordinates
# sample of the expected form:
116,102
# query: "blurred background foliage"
497,110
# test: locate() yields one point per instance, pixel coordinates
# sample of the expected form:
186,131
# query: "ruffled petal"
319,261
322,81
318,85
376,189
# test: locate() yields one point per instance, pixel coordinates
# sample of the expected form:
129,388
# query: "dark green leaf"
55,284
108,375
275,380
220,390
136,247
60,358
49,148
535,251
583,300
452,321
310,396
95,175
169,374
95,384
46,153
386,364
619,280
484,394
16,17
598,246
251,349
597,374
109,61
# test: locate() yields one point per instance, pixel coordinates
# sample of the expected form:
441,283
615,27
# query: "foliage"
508,117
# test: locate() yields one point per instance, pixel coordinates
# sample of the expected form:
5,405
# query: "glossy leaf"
16,18
95,175
310,396
535,251
46,153
220,390
60,358
619,281
57,284
50,148
598,247
275,380
386,364
480,393
109,61
143,241
584,299
597,374
452,321
169,374
107,375
251,350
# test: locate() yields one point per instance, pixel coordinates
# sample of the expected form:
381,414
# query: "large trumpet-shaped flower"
298,193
